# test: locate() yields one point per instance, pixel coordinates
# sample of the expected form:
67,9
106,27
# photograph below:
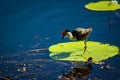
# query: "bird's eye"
65,33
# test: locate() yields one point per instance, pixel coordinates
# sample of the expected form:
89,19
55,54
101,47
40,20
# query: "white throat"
69,34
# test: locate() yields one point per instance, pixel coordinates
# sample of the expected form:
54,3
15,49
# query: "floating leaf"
102,6
73,51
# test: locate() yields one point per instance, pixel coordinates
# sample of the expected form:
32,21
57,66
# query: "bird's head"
64,33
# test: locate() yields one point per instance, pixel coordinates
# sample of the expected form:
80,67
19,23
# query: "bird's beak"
62,37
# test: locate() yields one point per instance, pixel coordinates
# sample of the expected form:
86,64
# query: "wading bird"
78,34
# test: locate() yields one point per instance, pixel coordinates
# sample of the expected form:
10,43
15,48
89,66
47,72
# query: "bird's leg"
85,46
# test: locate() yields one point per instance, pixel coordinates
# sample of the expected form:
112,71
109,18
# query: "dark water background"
36,24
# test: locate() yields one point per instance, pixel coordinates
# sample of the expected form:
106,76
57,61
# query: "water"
28,24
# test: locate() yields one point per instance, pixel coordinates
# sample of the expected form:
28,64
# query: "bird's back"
81,33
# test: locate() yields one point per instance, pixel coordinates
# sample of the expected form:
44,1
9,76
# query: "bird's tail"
90,29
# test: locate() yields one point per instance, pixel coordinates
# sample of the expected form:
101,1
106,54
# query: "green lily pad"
73,51
102,6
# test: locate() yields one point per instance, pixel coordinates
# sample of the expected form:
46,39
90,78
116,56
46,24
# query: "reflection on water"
79,70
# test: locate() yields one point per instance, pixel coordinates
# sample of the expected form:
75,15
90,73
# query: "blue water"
22,20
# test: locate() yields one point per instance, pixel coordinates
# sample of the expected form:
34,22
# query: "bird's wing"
83,30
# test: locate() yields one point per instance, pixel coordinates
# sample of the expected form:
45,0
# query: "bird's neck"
70,36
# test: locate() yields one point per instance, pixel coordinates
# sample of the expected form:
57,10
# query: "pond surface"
27,25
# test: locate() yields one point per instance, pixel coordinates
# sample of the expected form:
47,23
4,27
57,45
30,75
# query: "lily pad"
102,6
73,51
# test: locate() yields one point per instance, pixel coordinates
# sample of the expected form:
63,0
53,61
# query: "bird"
79,34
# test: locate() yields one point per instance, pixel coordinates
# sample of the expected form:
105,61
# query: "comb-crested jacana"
78,34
